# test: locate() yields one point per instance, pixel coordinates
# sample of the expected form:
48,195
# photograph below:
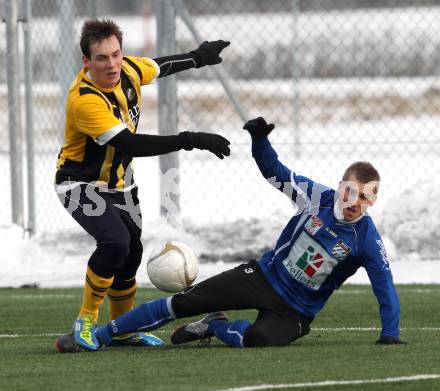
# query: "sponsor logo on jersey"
134,114
313,225
341,250
130,93
308,262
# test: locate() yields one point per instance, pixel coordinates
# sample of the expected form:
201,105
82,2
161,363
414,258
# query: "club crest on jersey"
341,250
313,225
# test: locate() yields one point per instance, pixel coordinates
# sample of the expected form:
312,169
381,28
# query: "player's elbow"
124,141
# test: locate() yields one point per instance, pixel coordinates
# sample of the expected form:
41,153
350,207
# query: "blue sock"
231,333
148,316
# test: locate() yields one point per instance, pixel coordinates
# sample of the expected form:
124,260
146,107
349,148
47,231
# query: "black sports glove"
258,127
387,340
208,53
214,143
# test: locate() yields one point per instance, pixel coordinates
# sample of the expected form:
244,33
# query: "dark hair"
363,171
94,31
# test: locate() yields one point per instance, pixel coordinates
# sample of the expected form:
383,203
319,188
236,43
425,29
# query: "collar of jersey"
86,75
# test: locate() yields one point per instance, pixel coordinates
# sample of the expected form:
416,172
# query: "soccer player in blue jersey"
324,243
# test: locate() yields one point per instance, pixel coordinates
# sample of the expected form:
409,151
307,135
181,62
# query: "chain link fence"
57,59
54,55
340,85
5,194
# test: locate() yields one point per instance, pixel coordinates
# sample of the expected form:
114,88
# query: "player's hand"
208,52
387,340
214,143
258,127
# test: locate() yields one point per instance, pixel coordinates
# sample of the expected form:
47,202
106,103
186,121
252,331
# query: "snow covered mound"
412,220
238,241
60,260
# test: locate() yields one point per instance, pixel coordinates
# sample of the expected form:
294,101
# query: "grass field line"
342,292
327,383
331,329
40,296
372,328
401,290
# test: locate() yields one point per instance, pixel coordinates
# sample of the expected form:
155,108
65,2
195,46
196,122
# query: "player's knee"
255,337
263,337
136,250
115,249
120,250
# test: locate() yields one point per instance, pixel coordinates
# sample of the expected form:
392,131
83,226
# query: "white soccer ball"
174,268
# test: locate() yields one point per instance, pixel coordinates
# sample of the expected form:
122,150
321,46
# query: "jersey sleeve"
302,190
94,117
146,68
379,273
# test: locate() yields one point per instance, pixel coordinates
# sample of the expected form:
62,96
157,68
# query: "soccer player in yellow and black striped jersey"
94,166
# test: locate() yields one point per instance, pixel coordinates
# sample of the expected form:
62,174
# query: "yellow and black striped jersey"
93,116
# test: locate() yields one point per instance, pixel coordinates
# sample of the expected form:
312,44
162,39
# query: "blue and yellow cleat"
84,333
137,339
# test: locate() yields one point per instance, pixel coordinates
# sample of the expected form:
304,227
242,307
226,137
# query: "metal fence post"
167,107
30,168
92,9
219,72
67,60
14,112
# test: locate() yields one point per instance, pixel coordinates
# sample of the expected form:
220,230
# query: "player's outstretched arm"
265,156
375,262
138,145
297,187
208,53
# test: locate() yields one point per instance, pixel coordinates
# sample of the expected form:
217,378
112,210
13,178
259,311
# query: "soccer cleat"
197,330
137,339
84,333
66,344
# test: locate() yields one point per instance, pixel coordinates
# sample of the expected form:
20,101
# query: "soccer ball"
174,268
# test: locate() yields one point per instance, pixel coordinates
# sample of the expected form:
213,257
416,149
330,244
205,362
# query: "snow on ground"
249,214
60,261
231,214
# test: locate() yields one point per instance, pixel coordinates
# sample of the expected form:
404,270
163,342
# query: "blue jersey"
317,250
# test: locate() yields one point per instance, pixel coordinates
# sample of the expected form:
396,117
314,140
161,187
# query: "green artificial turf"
340,347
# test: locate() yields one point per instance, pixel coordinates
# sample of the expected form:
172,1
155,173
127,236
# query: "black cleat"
197,330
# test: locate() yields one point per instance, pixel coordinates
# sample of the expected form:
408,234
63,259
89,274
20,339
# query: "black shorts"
245,287
115,222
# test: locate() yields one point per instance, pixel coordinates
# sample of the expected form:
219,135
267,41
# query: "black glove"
258,127
208,53
387,340
214,143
